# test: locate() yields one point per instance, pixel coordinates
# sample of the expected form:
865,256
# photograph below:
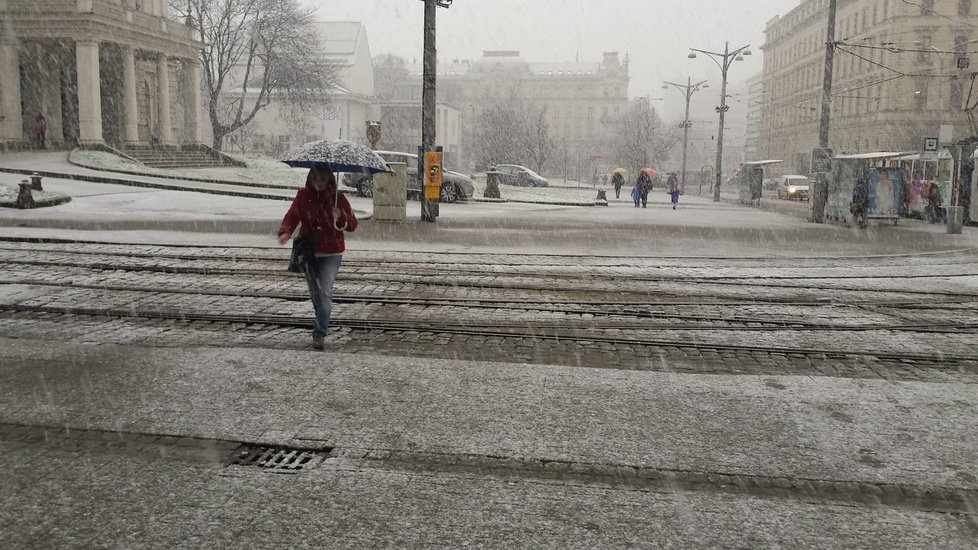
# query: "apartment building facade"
900,75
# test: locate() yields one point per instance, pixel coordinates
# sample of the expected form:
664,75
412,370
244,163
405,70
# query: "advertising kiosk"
750,179
885,186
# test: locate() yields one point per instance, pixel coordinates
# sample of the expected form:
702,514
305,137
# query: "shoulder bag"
302,253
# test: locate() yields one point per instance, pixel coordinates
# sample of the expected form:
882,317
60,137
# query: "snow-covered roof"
340,39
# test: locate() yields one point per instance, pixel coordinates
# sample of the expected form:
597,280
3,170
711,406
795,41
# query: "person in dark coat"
860,202
618,181
319,209
644,184
40,130
933,208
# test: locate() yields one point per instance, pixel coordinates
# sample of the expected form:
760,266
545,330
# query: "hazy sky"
656,34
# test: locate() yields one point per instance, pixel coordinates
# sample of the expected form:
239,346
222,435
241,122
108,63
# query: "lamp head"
746,52
692,55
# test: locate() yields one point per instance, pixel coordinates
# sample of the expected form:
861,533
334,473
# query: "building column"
11,117
163,93
89,92
130,131
191,99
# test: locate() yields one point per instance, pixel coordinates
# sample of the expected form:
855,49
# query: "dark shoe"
319,343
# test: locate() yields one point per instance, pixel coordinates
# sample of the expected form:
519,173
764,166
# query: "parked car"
454,187
513,174
793,187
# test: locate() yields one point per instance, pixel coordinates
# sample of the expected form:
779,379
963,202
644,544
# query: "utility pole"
723,60
429,208
687,90
821,164
823,126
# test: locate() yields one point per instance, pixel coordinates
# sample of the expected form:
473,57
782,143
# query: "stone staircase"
179,156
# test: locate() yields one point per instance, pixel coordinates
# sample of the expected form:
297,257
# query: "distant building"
99,71
583,99
752,130
896,77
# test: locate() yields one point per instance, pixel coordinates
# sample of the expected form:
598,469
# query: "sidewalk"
456,452
699,228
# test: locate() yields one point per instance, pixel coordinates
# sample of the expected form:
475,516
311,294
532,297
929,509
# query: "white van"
793,186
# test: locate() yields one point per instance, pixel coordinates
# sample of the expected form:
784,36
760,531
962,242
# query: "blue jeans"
320,276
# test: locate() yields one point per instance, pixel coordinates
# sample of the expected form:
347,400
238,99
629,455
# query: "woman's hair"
325,171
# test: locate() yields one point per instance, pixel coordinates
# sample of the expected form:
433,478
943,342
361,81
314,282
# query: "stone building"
100,71
755,103
583,99
279,127
896,77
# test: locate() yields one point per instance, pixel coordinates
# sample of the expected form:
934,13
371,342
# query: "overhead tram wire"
937,13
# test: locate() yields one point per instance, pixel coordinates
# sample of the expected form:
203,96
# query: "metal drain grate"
278,458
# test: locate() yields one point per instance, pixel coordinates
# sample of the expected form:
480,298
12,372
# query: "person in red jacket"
324,212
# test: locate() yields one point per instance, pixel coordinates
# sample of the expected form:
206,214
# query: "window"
924,44
927,7
920,97
957,93
964,7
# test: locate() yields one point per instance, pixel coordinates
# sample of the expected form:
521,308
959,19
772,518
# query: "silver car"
514,174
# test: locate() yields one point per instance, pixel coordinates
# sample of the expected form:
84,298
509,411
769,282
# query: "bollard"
602,199
24,198
36,182
492,186
955,219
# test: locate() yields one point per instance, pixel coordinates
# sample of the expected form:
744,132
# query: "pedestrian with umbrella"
323,215
644,184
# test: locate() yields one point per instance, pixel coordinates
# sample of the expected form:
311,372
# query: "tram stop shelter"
750,179
885,186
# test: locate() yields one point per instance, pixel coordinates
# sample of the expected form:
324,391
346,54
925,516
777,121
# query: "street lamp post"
688,91
723,60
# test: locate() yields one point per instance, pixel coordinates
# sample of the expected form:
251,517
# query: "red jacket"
314,210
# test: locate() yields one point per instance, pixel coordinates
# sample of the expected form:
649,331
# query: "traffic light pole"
429,208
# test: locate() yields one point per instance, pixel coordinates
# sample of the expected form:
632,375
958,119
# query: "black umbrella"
339,154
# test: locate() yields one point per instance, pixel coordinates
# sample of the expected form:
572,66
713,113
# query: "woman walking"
325,214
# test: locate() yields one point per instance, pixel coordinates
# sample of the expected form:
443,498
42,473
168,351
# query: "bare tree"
639,139
254,51
510,131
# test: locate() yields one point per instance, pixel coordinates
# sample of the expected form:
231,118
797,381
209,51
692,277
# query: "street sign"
930,144
821,160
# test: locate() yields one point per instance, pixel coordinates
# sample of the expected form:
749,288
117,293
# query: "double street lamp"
687,90
723,60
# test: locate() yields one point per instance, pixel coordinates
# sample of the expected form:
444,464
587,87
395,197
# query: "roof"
760,162
339,39
869,156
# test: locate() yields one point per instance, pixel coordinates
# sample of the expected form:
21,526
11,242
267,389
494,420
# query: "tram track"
544,278
639,315
537,333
